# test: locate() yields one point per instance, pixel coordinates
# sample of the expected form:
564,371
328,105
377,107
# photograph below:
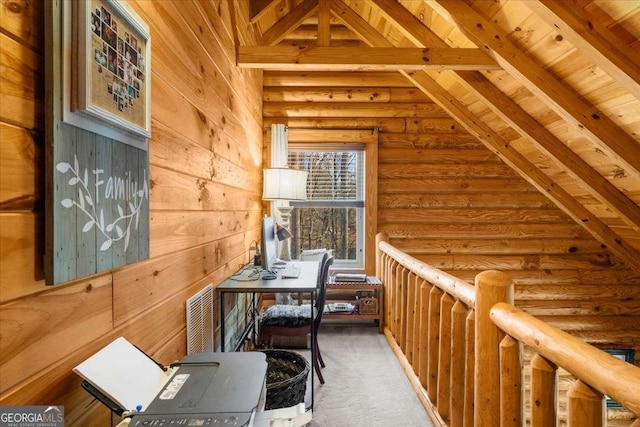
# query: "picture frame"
113,84
627,355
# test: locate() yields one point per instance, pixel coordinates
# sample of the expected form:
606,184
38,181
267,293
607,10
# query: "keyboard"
291,271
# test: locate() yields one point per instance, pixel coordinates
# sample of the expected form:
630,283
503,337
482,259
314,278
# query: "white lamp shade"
284,184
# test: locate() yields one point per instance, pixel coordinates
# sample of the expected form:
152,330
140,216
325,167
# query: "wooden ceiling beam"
362,58
593,40
404,21
565,101
289,22
503,149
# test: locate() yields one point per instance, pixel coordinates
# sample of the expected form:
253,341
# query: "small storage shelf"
372,284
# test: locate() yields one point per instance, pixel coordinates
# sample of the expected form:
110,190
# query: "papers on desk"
124,374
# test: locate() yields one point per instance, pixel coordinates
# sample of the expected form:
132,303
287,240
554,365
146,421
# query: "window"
333,215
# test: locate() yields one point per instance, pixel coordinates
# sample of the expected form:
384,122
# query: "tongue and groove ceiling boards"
551,86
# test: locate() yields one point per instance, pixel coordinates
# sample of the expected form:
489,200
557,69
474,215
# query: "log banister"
458,288
463,345
603,372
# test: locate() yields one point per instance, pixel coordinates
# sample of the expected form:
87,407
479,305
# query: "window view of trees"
328,219
330,228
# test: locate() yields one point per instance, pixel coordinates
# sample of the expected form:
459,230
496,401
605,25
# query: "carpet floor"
365,384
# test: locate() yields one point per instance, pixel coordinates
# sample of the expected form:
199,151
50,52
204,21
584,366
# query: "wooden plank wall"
450,202
205,176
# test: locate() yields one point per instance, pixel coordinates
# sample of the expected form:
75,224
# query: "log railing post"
423,370
585,406
444,356
491,287
410,316
543,392
469,369
380,237
417,330
433,347
458,324
510,383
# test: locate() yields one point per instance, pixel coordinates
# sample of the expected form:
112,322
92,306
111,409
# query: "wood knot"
155,273
14,7
89,287
559,38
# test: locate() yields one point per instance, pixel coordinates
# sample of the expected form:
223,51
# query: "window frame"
358,203
339,137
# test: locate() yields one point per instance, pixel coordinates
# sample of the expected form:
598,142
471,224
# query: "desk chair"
296,320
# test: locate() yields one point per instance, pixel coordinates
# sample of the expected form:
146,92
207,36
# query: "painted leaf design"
101,223
76,165
126,240
63,167
109,228
86,176
67,203
89,199
119,231
106,245
120,212
88,226
132,207
73,180
80,199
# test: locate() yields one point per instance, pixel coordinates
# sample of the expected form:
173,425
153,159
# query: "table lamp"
284,184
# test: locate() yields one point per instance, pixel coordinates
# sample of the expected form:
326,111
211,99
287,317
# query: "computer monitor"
268,243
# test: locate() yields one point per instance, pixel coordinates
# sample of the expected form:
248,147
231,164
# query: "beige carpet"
364,383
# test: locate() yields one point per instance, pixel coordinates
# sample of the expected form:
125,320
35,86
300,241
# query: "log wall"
205,205
450,202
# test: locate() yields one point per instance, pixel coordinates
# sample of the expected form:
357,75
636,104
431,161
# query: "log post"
458,321
510,383
410,316
469,369
423,371
401,338
444,356
417,330
543,392
380,237
434,338
393,297
491,287
585,406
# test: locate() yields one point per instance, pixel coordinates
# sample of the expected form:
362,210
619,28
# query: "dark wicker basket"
286,378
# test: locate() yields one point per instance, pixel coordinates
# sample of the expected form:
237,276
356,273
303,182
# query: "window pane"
329,228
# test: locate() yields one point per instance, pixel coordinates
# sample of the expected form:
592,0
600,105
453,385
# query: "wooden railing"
462,349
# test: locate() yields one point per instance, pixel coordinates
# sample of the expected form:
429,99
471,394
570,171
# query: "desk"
306,282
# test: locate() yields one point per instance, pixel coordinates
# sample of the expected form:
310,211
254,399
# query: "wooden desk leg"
222,321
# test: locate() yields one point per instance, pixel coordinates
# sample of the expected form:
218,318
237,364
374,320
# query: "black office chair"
296,320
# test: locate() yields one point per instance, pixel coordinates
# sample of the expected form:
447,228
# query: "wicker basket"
286,378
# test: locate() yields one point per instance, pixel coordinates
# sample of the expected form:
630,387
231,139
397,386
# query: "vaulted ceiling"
551,86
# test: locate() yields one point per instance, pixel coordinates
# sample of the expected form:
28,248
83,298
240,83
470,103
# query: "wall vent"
200,321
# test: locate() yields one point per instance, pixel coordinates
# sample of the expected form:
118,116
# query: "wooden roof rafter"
517,118
500,146
289,22
565,101
594,40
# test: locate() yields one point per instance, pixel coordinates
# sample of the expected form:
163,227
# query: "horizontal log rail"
597,372
461,347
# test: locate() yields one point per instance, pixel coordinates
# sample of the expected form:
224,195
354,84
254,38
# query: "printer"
201,389
209,389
